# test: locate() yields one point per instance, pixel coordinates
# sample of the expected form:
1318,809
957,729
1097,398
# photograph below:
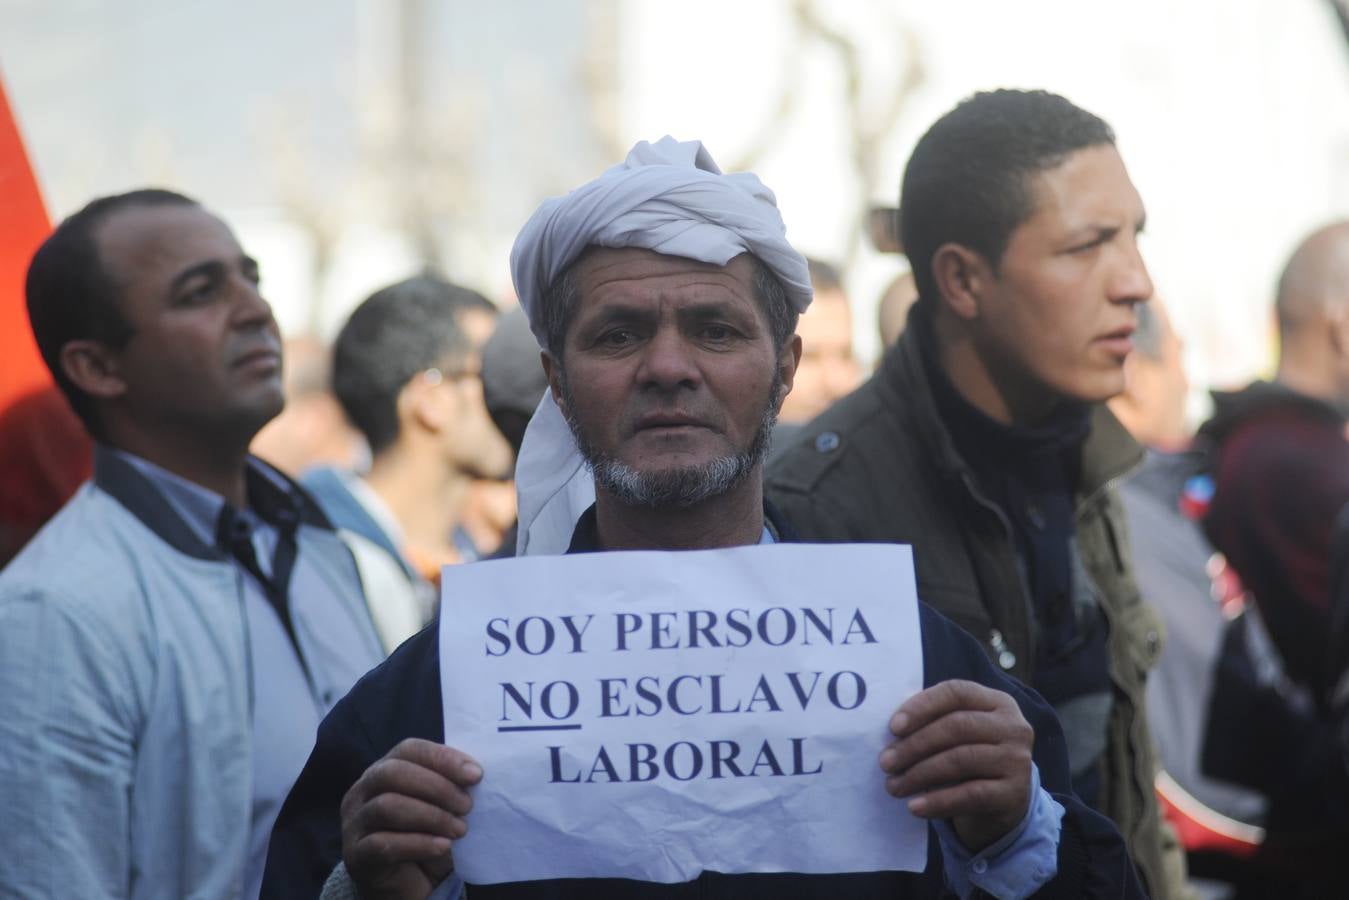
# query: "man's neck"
424,495
732,519
1308,378
1000,396
217,465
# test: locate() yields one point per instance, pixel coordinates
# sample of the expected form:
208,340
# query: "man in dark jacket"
1279,464
983,441
669,371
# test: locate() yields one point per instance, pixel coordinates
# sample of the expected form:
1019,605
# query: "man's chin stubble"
677,488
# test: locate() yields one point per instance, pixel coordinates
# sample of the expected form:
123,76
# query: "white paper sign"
653,715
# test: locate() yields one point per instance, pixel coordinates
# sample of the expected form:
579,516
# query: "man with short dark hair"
665,296
983,441
170,641
406,371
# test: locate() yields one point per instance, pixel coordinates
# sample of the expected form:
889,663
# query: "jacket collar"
131,488
1108,453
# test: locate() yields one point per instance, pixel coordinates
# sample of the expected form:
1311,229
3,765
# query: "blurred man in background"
1280,550
406,371
1280,482
828,368
513,382
312,430
892,313
170,641
1190,586
1152,404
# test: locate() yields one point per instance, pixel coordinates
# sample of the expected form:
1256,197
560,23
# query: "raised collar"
125,482
978,435
1108,453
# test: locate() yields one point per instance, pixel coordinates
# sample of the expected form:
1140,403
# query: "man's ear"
422,403
962,277
789,357
1337,317
553,372
92,367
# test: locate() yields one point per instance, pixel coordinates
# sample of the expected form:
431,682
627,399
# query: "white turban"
669,197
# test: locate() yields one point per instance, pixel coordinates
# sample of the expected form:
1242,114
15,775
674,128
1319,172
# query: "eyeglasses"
434,376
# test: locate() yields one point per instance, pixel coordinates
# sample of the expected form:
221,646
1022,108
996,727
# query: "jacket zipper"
1006,657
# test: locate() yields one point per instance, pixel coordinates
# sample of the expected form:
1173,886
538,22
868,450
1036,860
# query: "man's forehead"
604,265
162,239
1088,187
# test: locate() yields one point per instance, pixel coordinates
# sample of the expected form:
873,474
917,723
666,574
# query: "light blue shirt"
1018,865
285,708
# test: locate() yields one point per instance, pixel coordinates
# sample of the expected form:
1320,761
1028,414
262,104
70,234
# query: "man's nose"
1130,282
251,309
668,361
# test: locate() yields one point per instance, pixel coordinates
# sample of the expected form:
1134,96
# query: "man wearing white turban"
668,197
665,297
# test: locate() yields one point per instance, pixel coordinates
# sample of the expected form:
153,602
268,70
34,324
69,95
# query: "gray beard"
682,487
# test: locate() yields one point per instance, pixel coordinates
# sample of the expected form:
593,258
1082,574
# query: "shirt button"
979,866
1007,659
827,442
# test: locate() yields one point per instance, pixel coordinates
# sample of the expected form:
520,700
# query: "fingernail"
889,758
917,806
471,770
899,723
440,844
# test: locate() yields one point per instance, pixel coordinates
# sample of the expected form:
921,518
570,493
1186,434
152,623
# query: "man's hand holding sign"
962,752
659,724
399,819
654,715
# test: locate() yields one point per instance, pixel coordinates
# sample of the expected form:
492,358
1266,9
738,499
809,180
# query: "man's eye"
619,337
1092,244
197,293
717,332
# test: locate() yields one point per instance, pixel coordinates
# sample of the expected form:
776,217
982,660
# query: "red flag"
44,452
23,226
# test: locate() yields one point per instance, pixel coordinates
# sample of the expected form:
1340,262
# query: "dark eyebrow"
623,310
712,309
212,268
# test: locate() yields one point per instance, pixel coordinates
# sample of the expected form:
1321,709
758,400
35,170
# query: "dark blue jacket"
401,699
